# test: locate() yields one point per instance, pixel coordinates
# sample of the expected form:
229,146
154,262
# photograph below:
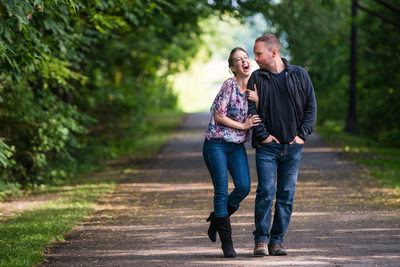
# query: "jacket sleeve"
259,131
310,110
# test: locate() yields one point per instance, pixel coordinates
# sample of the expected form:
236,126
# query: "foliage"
8,190
379,75
316,36
5,153
318,33
24,236
68,68
151,135
72,70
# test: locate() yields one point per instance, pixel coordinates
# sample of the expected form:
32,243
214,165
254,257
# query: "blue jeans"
221,156
277,169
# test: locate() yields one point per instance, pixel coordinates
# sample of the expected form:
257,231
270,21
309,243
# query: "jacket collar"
287,66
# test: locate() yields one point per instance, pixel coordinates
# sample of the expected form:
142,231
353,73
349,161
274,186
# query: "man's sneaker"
261,249
277,250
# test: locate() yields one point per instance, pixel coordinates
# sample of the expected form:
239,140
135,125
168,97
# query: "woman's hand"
253,95
251,121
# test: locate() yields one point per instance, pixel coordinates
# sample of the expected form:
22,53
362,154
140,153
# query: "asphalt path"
156,216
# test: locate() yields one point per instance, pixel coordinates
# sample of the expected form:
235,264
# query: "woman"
224,147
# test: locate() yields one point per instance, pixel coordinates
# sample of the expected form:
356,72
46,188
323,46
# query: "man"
288,109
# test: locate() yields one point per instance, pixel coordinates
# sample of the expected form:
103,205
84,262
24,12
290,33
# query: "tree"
317,36
352,120
72,69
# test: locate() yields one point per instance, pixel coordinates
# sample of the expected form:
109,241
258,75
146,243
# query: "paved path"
156,216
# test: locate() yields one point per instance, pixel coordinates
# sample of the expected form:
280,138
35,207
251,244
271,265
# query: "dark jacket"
301,94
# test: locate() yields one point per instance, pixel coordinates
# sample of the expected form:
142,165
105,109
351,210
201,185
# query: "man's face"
263,56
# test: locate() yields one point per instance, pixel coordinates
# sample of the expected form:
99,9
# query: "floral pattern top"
231,103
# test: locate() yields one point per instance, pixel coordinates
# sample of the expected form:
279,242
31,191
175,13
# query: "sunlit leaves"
66,65
5,153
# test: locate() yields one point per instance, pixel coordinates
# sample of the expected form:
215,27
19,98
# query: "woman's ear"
232,69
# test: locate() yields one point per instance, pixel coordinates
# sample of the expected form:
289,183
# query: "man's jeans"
277,169
221,156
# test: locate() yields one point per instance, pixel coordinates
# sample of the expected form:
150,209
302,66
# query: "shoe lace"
277,246
261,245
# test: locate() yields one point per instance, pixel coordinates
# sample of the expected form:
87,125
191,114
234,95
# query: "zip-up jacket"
302,97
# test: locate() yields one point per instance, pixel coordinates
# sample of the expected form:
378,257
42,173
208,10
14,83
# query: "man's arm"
260,131
310,111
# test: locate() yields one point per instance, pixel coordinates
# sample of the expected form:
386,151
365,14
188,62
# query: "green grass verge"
382,160
24,237
156,131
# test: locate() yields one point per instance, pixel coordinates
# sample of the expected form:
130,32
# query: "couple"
282,114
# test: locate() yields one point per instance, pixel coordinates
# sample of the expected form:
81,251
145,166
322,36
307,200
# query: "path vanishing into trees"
156,216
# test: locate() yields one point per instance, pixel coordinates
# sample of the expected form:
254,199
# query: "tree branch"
389,6
393,22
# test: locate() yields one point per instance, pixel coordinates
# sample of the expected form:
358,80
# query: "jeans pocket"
295,143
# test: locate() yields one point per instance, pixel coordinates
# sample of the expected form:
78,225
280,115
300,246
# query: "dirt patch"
14,207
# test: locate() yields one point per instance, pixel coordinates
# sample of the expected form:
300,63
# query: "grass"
25,236
382,160
118,140
156,134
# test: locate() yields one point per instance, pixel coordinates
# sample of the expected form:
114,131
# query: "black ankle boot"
212,229
225,234
231,209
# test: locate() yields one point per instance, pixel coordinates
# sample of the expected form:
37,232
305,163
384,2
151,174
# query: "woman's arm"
252,120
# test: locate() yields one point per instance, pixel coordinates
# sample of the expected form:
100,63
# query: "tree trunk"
352,121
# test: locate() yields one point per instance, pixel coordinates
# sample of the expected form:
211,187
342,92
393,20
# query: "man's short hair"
271,41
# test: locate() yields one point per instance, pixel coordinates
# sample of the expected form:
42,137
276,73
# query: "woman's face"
241,64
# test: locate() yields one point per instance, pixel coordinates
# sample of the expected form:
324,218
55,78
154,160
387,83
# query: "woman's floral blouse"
231,103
